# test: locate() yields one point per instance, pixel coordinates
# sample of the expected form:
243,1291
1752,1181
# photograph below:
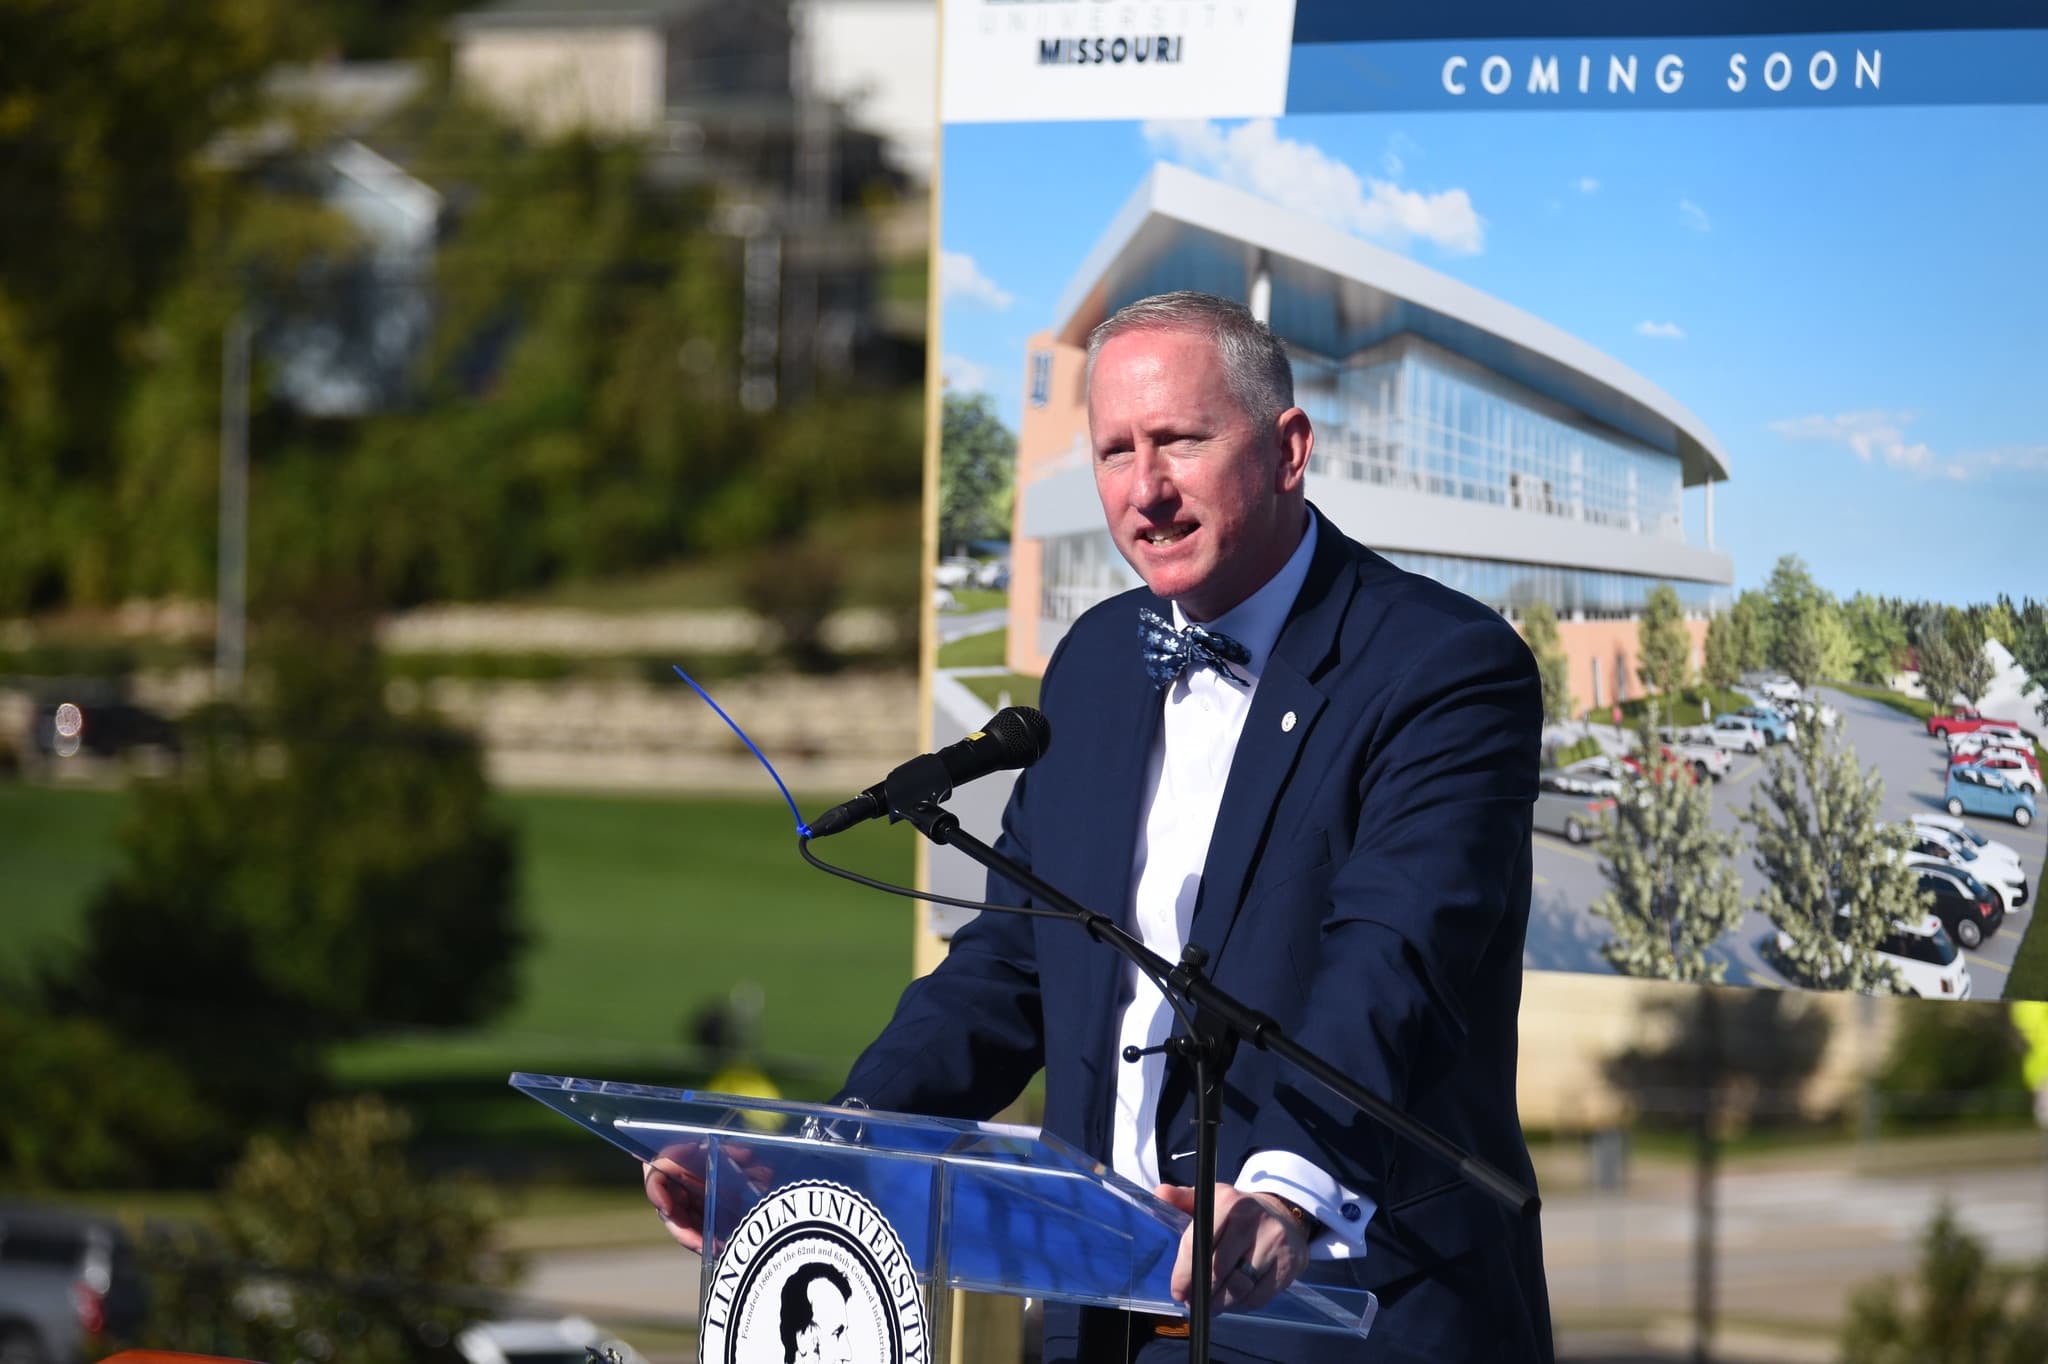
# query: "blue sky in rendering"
1854,301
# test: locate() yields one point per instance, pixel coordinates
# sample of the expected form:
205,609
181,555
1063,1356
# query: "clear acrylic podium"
982,1207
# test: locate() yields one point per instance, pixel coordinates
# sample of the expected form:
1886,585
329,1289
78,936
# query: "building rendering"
1455,434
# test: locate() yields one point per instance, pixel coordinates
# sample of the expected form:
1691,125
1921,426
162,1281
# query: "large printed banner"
1718,323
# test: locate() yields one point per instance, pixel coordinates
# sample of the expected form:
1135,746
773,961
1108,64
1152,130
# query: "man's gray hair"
1255,363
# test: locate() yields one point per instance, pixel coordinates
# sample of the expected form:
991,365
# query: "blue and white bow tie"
1170,652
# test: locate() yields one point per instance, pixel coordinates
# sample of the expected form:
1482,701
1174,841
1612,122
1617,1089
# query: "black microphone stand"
1219,1021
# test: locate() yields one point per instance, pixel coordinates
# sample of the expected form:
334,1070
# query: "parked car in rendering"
1566,807
2022,774
1736,732
1973,791
1926,960
1599,775
1965,720
1970,910
1776,727
1778,687
1981,740
2007,878
1705,759
69,1282
1984,847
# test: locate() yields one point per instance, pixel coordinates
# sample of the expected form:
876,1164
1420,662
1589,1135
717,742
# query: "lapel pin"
1287,723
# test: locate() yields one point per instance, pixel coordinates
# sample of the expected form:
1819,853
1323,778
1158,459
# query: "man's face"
825,1338
1202,499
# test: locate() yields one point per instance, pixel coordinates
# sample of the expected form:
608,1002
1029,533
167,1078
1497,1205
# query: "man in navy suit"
1327,784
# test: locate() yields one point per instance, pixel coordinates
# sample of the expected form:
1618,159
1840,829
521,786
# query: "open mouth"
1165,535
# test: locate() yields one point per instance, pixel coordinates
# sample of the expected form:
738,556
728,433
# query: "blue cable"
803,830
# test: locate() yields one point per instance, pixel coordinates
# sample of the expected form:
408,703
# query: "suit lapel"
1271,743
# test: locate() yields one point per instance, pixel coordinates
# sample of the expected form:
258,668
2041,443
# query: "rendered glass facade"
1409,414
1081,570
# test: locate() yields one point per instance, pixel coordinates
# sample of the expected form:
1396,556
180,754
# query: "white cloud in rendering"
961,278
1874,434
1586,184
1663,331
1305,179
964,374
1695,216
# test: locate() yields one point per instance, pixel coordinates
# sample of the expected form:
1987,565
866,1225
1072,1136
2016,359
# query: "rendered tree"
977,458
1966,1310
1720,663
1539,632
1835,878
1877,635
1750,627
1672,886
1799,629
1663,645
2030,651
1952,660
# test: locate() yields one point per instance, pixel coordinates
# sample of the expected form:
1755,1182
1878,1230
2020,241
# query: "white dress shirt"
1203,715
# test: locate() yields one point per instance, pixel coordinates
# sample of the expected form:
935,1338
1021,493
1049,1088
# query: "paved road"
1565,935
960,624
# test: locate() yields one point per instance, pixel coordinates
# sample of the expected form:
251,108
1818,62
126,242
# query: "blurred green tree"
330,1247
320,867
1948,1060
1962,1310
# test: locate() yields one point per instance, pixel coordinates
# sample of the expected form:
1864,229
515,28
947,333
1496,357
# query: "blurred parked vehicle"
68,1281
542,1340
1966,720
955,572
1599,775
1566,807
1970,910
99,728
1973,791
2023,775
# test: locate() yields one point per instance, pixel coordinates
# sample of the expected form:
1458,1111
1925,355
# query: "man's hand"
674,1181
1259,1249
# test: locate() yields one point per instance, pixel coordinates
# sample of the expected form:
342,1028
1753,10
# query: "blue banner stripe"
1347,21
1634,74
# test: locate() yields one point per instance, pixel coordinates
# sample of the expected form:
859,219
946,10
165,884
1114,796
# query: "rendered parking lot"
1565,935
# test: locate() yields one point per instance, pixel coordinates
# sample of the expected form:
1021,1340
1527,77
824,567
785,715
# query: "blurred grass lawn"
643,910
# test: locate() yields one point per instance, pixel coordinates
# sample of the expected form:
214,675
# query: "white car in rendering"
1991,847
1707,759
1732,731
1779,688
1995,864
1926,960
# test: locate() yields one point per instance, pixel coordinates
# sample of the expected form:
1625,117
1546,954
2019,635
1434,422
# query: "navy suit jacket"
1367,886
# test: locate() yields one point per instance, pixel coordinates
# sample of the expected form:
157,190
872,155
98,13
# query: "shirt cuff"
1343,1211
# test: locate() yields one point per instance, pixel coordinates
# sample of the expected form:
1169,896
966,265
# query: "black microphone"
1016,736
